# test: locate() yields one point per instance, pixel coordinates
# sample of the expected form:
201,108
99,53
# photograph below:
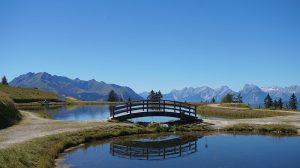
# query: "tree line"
278,104
230,98
268,101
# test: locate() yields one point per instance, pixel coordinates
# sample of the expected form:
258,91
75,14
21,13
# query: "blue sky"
157,44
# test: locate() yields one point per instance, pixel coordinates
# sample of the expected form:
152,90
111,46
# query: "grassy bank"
24,95
36,153
69,101
276,129
237,113
9,115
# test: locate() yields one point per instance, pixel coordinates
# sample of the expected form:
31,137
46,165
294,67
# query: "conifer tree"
4,81
151,95
293,102
228,98
112,96
268,101
239,98
213,100
280,103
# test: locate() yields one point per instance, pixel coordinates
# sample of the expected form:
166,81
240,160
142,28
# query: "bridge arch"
144,108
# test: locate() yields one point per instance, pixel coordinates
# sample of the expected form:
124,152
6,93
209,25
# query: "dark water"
87,112
189,151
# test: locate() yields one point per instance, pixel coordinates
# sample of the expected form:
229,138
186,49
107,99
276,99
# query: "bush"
9,115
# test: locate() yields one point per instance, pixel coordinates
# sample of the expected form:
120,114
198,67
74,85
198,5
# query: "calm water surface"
178,151
87,112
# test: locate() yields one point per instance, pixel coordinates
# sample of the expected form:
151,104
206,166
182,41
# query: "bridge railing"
154,106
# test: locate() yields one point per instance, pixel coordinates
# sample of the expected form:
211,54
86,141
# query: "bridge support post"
174,107
158,105
147,105
130,107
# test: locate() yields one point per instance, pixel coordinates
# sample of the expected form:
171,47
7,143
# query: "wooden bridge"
156,150
145,108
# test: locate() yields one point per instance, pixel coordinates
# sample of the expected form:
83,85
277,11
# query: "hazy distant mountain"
283,92
83,90
251,94
198,94
144,95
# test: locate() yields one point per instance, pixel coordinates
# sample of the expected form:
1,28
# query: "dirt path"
32,126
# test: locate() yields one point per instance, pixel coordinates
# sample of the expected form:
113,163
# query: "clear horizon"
160,45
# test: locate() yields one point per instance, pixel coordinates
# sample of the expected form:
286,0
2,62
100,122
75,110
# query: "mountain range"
251,94
94,90
80,89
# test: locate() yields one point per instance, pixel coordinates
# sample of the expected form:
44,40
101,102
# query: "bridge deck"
146,108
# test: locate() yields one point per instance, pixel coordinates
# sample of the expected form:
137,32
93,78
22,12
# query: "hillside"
9,115
91,90
24,95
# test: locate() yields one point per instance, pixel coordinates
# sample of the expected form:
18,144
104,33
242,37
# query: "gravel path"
33,126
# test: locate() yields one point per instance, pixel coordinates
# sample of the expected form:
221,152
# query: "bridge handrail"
154,106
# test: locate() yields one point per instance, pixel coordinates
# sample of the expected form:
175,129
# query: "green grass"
9,115
277,129
41,152
27,95
237,113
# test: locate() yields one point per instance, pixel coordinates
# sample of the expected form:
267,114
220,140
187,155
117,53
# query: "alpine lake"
172,150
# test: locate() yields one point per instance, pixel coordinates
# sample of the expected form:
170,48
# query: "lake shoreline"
37,147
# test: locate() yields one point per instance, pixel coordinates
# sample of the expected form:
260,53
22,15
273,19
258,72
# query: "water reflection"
167,151
160,148
87,112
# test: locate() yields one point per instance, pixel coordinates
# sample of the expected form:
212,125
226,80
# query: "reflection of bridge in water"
155,150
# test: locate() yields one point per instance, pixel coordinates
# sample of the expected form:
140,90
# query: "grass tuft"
277,129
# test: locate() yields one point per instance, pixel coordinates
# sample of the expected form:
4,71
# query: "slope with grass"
9,115
25,95
231,112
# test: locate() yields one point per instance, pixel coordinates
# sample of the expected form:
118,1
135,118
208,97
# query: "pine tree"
4,81
155,96
280,103
239,98
112,96
151,95
213,100
293,102
228,98
158,95
268,101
